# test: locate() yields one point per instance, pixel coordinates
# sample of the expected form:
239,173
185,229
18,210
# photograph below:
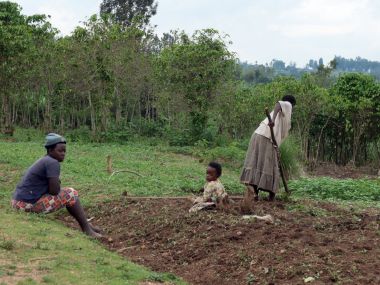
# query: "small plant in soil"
7,244
251,279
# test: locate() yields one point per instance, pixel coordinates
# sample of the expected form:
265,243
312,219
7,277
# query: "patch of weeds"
334,275
45,267
337,189
28,281
245,259
12,267
161,277
7,245
284,197
42,246
101,261
320,227
47,279
251,279
306,209
125,271
11,273
44,232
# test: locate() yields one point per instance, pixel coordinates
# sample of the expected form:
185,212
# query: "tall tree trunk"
118,106
92,114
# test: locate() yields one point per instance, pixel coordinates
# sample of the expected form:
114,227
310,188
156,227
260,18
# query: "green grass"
43,251
338,190
163,173
36,250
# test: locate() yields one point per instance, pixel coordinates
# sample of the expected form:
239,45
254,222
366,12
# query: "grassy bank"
36,250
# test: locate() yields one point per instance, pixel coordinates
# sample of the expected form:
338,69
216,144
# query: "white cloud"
311,30
65,14
311,18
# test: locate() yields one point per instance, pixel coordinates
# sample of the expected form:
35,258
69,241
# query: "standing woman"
260,171
40,188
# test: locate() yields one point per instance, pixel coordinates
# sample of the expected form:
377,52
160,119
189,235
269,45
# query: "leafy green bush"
149,128
27,135
120,134
82,134
231,154
7,244
290,157
178,137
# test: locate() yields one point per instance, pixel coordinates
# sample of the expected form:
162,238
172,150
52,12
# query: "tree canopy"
109,81
126,12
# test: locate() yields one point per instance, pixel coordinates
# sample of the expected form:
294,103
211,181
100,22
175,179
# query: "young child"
214,194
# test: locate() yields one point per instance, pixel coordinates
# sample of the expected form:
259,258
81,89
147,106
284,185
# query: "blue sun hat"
52,139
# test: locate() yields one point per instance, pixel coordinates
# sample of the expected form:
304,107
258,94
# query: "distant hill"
263,73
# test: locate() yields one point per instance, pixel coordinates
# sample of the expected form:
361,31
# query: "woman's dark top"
35,182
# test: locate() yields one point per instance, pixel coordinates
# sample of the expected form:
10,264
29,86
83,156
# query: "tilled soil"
307,239
346,171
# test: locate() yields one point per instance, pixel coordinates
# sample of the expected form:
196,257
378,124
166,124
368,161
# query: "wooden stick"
110,171
277,151
125,170
109,164
170,197
41,258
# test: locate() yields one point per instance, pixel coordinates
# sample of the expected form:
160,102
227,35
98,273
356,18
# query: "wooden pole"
277,152
109,164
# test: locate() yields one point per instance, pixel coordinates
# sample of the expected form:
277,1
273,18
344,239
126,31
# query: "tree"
359,106
278,64
126,12
21,40
196,67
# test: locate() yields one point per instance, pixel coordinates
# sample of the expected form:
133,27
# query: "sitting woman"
40,191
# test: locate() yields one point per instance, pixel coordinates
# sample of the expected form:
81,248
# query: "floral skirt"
48,203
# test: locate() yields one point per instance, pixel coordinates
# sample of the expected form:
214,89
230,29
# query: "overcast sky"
261,30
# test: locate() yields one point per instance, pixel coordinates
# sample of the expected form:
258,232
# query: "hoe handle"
277,151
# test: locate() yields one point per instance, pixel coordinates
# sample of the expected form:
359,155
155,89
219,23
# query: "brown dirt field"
308,239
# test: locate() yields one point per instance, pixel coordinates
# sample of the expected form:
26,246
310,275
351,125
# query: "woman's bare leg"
78,213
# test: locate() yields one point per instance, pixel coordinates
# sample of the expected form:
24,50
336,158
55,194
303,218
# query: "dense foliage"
114,78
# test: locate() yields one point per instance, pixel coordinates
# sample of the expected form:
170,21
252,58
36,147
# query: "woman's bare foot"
256,193
95,228
90,232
